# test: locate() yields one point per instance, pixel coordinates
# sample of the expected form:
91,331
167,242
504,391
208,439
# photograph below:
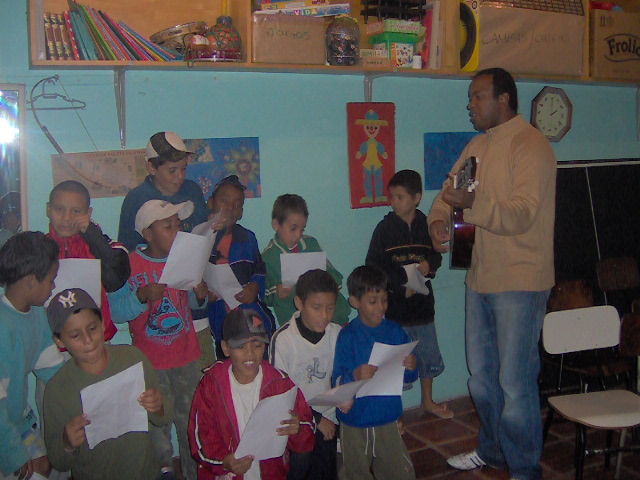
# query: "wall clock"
551,112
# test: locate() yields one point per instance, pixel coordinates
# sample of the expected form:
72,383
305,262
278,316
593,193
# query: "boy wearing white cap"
166,162
161,323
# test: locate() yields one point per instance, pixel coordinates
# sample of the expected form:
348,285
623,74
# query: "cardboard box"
372,58
615,45
288,39
395,25
521,40
399,46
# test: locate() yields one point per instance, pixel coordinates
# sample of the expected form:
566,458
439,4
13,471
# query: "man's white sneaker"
466,461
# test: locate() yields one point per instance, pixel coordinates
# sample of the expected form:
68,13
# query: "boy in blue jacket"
369,432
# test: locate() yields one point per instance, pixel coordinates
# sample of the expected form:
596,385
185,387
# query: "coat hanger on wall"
52,96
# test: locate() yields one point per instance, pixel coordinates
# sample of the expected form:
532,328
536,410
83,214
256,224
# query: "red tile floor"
431,441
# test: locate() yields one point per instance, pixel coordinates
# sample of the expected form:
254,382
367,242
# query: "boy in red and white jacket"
226,396
70,225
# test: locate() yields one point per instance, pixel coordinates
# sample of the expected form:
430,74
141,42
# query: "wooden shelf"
150,16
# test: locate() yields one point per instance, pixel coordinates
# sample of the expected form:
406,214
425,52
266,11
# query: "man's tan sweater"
514,209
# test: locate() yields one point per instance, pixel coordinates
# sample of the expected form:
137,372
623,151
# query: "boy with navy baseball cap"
76,324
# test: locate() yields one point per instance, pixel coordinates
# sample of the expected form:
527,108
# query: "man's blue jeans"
502,333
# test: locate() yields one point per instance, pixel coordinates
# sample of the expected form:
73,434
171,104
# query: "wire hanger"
75,104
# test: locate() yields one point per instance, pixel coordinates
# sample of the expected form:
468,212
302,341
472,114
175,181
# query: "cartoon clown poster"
372,145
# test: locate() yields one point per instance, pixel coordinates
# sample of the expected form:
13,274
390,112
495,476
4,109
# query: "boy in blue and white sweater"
28,268
369,432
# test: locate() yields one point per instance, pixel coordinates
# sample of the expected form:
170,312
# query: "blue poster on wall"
441,150
216,158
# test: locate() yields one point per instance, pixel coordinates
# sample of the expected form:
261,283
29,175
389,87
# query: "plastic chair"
612,410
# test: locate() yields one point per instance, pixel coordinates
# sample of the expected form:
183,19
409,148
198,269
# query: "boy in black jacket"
402,238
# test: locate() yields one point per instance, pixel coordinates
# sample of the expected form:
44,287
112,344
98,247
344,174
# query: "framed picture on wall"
371,132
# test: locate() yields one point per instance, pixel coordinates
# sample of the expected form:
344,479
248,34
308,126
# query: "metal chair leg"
580,450
623,434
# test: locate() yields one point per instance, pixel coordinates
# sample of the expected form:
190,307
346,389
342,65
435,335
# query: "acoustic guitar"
463,234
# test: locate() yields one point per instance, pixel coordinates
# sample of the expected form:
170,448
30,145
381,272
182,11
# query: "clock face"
551,113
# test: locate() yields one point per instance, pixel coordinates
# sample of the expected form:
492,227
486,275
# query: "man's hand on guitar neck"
439,236
460,198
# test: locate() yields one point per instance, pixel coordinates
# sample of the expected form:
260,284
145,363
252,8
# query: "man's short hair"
287,204
315,281
503,82
27,253
71,186
366,279
409,179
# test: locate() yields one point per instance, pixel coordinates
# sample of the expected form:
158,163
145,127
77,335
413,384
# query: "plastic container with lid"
343,41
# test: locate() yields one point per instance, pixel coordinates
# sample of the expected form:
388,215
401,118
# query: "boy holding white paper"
227,395
289,220
369,433
402,240
236,247
70,225
76,324
304,348
160,321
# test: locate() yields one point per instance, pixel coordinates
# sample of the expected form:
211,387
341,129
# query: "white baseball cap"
167,145
154,210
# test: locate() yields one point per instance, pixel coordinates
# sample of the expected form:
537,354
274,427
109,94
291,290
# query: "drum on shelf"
177,38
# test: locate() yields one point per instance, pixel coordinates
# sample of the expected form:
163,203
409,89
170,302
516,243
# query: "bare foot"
400,423
439,410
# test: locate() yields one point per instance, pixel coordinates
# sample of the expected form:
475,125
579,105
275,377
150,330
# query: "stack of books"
84,33
312,8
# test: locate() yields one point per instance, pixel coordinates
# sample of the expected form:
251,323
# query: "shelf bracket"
121,103
368,85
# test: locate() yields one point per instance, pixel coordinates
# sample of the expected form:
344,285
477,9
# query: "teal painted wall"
301,122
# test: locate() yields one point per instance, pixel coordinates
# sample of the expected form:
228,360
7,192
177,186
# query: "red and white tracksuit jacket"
213,426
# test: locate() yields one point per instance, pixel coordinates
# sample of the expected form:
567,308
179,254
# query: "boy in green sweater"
76,323
289,219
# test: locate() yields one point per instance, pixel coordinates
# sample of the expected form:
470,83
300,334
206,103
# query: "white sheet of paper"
204,229
292,265
81,273
260,438
389,378
112,406
337,395
416,281
187,260
221,280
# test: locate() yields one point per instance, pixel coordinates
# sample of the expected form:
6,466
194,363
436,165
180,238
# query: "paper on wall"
112,406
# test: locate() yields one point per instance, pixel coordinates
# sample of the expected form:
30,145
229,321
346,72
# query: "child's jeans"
179,384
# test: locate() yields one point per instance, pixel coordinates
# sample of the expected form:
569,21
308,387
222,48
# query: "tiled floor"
431,441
